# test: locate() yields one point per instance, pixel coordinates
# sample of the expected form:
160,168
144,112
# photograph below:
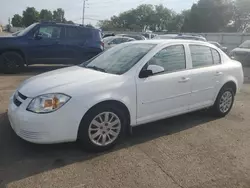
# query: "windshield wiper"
96,68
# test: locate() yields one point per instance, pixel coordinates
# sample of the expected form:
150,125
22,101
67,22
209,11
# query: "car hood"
45,83
241,50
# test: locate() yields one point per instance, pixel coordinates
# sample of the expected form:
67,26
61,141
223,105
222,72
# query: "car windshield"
26,30
119,59
245,44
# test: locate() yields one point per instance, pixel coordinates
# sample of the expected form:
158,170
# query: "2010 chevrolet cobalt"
131,84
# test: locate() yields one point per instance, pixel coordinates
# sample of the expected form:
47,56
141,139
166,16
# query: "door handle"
184,80
218,73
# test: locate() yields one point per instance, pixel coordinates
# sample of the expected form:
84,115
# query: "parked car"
131,84
218,45
110,42
136,37
49,43
242,53
149,35
108,35
181,36
166,36
16,33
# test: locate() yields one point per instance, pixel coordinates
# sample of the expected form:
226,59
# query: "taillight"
102,44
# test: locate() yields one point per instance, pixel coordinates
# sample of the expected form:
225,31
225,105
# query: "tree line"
31,15
204,16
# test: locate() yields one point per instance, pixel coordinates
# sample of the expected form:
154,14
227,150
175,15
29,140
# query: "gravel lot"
193,150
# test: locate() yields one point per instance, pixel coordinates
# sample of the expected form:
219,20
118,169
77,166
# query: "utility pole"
83,11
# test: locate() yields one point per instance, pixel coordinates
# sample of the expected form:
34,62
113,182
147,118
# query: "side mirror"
145,73
156,69
38,36
151,70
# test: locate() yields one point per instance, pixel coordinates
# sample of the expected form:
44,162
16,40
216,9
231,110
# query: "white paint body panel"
148,99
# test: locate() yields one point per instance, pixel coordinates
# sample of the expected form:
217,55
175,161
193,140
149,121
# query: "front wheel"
224,102
101,128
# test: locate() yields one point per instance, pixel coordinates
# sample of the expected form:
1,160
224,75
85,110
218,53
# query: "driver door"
46,46
166,93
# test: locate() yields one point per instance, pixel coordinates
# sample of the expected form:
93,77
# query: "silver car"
242,53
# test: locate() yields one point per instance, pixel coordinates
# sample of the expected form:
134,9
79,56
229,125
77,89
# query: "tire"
12,62
94,144
218,109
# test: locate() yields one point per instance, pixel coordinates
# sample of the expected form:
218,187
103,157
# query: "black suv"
49,43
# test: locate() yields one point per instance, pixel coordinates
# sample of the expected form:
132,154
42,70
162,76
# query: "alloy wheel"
226,101
104,129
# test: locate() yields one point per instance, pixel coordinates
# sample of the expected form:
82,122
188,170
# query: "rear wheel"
224,102
12,62
101,128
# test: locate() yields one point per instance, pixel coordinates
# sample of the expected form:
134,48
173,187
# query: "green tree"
208,16
140,19
17,20
241,18
58,15
30,16
46,15
105,25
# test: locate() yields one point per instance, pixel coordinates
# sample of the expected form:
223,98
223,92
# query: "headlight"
48,103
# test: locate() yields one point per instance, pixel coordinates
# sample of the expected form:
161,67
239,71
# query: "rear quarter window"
96,35
73,33
201,56
216,56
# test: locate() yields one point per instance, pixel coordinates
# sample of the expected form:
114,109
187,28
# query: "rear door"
75,44
206,76
47,48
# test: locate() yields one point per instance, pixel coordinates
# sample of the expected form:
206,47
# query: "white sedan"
128,85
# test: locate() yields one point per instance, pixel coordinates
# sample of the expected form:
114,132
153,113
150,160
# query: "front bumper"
56,127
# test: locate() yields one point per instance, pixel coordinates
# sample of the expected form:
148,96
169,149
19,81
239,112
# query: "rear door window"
73,33
201,56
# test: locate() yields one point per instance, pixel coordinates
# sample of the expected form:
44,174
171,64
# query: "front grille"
19,98
22,96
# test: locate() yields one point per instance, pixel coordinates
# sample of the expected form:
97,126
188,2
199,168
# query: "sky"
95,9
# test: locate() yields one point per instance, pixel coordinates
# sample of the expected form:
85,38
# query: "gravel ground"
189,151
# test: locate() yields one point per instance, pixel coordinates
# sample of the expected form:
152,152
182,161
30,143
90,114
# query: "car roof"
246,41
213,42
129,35
67,25
182,36
172,41
169,35
117,36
